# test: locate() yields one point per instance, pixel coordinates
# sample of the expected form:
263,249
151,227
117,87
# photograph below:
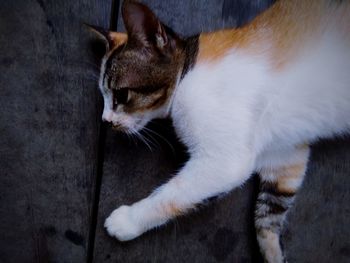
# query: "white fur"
121,225
238,115
270,247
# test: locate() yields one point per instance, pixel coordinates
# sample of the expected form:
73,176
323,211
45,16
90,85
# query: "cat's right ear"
143,26
110,38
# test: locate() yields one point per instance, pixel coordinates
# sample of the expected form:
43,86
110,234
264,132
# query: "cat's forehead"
124,64
119,57
127,67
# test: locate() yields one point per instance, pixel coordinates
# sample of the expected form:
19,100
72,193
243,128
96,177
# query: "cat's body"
243,100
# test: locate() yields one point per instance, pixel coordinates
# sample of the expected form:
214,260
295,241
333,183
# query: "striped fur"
278,187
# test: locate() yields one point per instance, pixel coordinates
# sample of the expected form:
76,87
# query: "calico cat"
242,100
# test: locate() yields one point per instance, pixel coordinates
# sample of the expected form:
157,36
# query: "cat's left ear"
143,26
111,39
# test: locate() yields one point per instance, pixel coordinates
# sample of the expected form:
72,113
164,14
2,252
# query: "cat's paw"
121,225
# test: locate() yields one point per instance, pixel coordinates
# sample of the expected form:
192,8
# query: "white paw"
120,224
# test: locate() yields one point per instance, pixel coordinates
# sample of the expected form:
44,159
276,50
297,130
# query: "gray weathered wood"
223,231
318,228
49,128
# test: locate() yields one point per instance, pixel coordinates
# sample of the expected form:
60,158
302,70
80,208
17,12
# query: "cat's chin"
119,128
130,126
123,129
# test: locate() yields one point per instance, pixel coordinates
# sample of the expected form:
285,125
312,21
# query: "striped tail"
277,191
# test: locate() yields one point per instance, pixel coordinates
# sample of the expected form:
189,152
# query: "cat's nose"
105,119
107,116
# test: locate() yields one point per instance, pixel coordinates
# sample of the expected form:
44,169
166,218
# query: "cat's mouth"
128,127
119,128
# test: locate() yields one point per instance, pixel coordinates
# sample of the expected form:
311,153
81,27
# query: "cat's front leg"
201,178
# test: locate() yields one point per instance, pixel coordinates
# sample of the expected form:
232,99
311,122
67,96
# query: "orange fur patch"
172,210
291,23
213,46
118,39
278,33
290,178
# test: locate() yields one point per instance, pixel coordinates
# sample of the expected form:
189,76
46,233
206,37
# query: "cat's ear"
143,26
111,39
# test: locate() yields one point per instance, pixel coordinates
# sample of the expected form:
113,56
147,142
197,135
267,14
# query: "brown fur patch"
141,102
158,101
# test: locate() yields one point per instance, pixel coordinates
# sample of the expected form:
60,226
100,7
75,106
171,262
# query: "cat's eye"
120,96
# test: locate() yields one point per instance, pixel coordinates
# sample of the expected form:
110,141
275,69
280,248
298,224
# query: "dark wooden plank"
49,128
318,228
222,231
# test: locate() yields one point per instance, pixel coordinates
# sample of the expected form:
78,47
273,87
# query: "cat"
242,100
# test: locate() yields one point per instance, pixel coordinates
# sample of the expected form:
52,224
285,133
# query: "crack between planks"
100,157
114,15
97,191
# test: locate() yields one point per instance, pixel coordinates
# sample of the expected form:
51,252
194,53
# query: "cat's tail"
277,192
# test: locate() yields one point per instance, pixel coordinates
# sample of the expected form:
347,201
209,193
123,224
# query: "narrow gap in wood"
114,15
100,160
97,190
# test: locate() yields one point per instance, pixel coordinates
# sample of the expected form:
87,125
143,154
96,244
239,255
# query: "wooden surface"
318,228
49,128
51,169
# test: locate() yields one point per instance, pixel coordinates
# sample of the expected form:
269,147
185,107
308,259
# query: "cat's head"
140,69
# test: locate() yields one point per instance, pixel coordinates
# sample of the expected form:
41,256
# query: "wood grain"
49,128
318,225
49,142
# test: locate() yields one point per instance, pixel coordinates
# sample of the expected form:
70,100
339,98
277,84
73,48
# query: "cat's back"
298,25
291,65
310,73
281,33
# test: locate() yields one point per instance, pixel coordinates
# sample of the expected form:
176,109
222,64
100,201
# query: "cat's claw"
120,224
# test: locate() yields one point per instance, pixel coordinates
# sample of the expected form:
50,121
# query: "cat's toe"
120,224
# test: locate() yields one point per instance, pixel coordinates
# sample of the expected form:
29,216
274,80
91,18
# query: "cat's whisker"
153,143
131,137
146,132
128,135
161,137
150,138
139,136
